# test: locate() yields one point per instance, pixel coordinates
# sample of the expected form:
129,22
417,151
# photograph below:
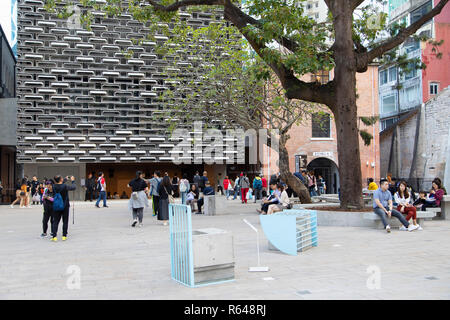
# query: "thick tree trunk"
286,175
344,108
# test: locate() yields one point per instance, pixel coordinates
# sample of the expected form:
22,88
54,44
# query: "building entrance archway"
328,169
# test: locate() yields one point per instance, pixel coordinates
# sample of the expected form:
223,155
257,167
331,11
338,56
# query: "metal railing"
182,260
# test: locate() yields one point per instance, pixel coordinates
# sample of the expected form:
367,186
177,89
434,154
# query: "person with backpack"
138,199
244,184
184,188
257,188
61,205
47,202
101,187
154,193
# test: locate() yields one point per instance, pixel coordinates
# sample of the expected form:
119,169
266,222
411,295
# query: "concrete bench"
209,205
394,222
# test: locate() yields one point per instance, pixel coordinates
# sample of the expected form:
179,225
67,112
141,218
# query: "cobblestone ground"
120,262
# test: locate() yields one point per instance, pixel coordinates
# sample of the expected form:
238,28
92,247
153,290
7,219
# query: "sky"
5,17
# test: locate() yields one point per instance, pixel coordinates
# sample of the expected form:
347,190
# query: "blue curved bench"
291,231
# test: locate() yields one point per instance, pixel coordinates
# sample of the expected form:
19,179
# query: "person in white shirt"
404,204
283,201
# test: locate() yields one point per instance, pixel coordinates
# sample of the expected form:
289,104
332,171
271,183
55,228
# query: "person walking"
138,199
321,185
154,193
24,199
34,183
227,186
175,186
383,207
164,190
47,199
203,181
312,184
244,184
220,184
61,200
237,188
257,188
101,186
264,186
184,188
18,193
197,179
90,185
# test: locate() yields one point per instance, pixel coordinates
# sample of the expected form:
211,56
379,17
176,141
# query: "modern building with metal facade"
83,105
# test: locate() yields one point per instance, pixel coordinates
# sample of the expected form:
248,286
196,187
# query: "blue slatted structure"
291,231
182,259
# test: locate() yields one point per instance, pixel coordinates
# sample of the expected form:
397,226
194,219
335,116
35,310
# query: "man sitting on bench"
382,206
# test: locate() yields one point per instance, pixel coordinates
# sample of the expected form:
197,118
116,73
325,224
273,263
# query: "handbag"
36,197
169,196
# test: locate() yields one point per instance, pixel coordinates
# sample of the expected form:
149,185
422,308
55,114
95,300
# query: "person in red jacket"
264,186
226,185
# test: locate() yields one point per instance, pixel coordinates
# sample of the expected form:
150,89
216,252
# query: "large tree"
306,48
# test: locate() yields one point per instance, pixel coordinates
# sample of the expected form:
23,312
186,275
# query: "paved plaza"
119,262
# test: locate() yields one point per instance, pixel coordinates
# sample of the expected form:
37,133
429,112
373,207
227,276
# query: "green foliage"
367,137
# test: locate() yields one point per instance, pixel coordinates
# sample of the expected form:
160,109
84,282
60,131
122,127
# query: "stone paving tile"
119,262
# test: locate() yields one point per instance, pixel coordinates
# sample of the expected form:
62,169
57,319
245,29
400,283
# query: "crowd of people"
400,200
391,198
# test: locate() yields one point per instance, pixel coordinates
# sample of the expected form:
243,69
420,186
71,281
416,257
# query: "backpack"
98,185
58,203
257,184
183,186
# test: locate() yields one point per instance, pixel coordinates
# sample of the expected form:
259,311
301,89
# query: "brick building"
313,144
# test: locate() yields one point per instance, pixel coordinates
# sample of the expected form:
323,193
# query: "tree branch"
363,59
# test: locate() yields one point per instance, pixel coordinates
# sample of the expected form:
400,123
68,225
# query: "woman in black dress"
164,189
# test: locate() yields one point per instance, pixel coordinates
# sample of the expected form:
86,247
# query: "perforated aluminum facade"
81,99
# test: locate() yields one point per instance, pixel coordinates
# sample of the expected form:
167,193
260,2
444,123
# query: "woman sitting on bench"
438,193
403,199
283,201
270,200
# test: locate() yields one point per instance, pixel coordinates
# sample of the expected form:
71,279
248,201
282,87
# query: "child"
47,199
422,199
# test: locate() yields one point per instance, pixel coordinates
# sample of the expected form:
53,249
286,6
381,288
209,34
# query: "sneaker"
419,227
105,207
54,239
388,229
12,207
97,206
64,238
403,228
259,210
412,227
165,223
43,235
141,225
134,222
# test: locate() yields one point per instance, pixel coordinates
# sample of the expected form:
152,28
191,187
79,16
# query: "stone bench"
209,205
394,222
